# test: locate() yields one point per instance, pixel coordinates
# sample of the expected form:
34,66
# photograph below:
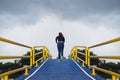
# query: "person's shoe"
58,60
62,57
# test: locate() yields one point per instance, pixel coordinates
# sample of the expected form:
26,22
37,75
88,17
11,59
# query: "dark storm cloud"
83,8
67,8
28,11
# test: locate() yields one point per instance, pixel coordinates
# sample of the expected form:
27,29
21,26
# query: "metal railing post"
72,55
47,55
6,77
44,52
88,57
36,64
31,57
26,72
76,52
83,65
114,77
93,72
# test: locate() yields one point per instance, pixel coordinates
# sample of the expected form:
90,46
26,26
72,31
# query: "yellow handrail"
36,62
106,42
13,57
44,57
106,57
13,42
83,62
106,71
82,46
81,53
38,53
38,46
88,56
13,71
32,57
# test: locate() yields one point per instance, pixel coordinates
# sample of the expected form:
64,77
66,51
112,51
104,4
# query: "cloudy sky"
38,22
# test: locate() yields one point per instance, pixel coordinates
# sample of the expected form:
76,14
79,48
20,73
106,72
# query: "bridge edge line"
36,70
84,70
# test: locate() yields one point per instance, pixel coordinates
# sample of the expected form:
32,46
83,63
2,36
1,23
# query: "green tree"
26,61
11,66
8,67
93,61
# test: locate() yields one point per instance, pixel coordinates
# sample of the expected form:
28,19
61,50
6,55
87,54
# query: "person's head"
60,34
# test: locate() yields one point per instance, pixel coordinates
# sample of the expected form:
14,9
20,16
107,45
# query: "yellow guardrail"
13,42
6,74
13,57
45,55
113,74
106,57
75,52
106,42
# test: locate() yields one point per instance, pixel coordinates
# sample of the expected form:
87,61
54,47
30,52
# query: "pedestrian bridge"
73,68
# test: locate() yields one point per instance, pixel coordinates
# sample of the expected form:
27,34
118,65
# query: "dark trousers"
60,46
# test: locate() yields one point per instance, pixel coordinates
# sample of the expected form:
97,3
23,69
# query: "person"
60,40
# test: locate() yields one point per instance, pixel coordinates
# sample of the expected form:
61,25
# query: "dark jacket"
60,38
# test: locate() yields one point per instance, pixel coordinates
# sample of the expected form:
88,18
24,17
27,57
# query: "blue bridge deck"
64,70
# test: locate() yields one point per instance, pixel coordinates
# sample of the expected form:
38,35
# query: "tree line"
26,61
111,66
8,66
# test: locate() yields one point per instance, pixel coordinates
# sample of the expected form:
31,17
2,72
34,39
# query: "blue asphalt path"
64,70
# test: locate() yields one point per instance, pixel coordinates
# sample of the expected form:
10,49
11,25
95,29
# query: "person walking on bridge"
60,40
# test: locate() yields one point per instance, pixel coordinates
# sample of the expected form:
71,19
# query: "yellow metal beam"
33,50
114,77
13,57
80,59
82,46
93,72
31,57
81,53
88,57
38,46
38,53
106,71
38,60
106,57
13,71
6,77
12,42
26,72
107,42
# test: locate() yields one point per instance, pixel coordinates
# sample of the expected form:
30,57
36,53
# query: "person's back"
60,45
60,38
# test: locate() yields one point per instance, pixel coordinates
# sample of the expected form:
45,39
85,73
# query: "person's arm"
63,39
56,39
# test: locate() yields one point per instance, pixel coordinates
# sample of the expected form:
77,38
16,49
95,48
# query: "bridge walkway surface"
67,69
